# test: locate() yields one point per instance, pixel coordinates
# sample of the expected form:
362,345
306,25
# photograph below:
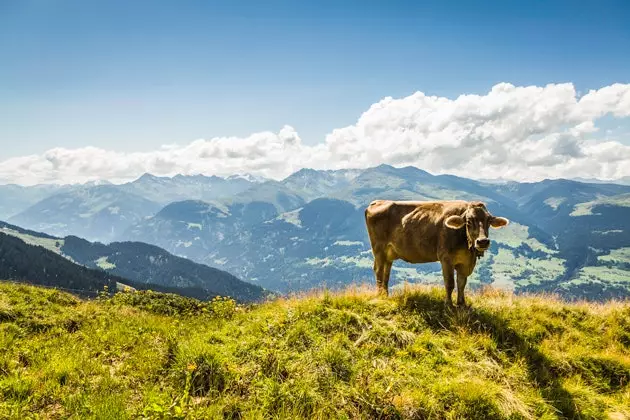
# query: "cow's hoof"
463,306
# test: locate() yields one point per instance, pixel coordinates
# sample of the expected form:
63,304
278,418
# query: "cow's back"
409,230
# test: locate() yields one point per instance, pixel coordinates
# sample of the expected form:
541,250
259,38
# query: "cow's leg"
379,272
461,284
449,281
387,269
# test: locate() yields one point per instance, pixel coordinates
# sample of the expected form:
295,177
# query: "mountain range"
100,211
308,230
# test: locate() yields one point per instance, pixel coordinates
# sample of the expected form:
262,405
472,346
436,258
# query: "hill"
16,198
20,261
97,213
140,264
348,355
149,264
38,260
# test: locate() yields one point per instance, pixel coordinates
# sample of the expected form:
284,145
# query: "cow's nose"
483,243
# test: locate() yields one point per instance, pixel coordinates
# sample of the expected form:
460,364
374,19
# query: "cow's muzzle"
482,244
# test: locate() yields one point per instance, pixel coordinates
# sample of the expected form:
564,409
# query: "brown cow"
430,231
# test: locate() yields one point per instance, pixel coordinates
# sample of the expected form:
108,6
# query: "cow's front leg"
461,285
449,282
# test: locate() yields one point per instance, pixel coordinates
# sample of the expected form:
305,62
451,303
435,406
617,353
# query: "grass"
346,355
601,274
586,209
104,264
53,245
507,267
518,235
554,202
620,255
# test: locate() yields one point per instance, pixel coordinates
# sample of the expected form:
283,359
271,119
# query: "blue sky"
131,76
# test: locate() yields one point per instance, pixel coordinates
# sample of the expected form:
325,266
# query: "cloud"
521,133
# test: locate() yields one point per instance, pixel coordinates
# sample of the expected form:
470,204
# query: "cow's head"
477,220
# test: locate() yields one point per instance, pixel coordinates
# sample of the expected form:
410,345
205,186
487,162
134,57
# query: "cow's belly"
413,256
418,260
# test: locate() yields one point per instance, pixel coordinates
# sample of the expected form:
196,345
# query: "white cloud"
522,133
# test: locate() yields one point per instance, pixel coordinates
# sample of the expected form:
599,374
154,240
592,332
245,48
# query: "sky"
486,89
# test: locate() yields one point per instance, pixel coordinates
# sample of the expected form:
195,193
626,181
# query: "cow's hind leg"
379,272
449,282
382,270
387,269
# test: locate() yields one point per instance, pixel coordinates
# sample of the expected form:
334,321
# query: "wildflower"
191,367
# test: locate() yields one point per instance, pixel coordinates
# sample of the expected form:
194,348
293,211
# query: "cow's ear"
455,222
499,222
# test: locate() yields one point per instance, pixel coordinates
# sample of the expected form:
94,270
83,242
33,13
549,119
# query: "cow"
453,232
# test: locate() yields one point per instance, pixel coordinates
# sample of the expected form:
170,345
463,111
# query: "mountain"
622,181
149,264
32,264
319,237
254,179
99,213
326,355
164,190
313,184
142,265
280,196
589,224
308,230
322,240
556,193
100,210
16,198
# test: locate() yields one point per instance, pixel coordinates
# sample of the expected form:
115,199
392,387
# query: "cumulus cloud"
521,133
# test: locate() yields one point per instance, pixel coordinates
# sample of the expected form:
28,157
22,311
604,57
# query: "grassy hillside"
348,355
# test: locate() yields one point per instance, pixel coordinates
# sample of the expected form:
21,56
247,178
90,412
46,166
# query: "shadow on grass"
541,370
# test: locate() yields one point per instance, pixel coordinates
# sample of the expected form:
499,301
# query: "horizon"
261,179
107,92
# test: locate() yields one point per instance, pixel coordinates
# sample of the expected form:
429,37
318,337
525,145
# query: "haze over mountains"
308,230
103,211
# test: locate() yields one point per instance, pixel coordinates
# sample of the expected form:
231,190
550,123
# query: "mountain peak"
304,173
147,177
404,171
96,183
384,166
256,179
